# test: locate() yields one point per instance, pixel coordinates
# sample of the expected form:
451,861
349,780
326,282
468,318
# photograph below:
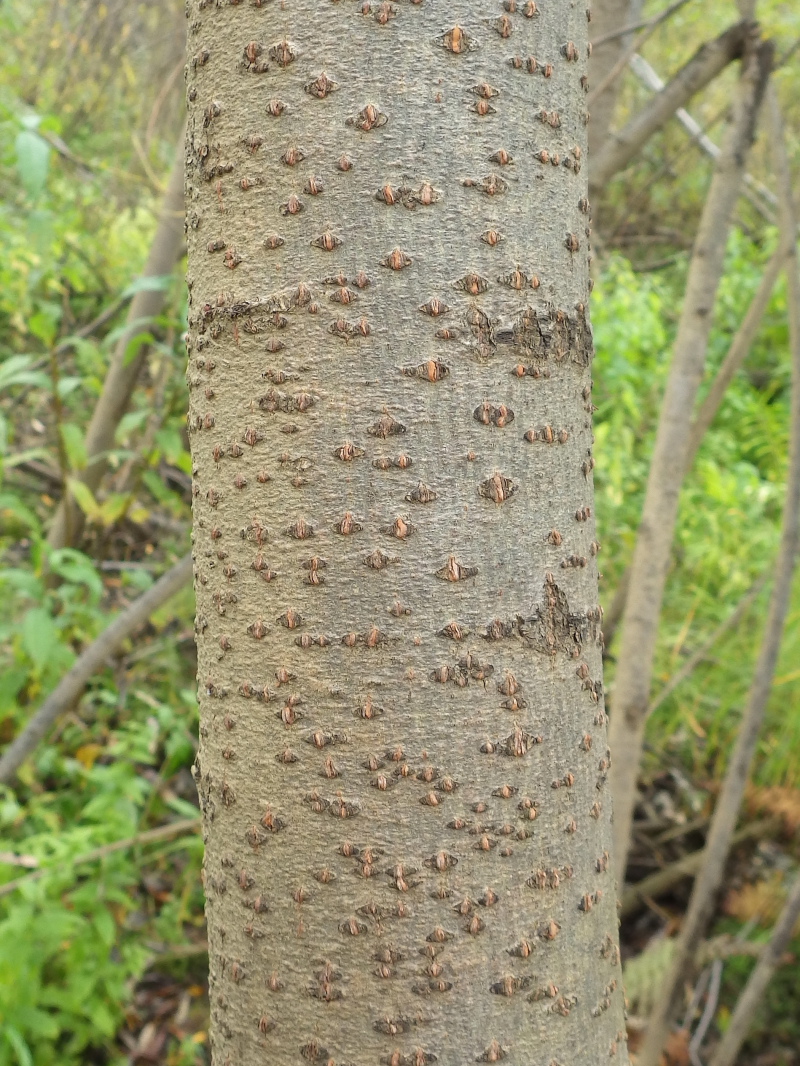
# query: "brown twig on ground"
90,660
651,557
126,365
770,958
729,801
707,63
149,836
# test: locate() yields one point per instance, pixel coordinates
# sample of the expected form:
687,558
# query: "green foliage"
729,520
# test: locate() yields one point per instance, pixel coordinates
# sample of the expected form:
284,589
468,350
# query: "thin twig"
126,365
738,351
90,660
708,1012
150,836
692,663
740,345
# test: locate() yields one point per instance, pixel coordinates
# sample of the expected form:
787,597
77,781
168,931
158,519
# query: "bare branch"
754,190
730,798
150,836
660,882
91,660
709,61
632,49
740,346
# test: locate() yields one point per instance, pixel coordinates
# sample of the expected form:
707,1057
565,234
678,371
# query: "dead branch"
150,836
91,660
662,881
708,62
729,801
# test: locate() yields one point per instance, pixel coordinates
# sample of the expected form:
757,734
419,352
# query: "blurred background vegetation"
103,962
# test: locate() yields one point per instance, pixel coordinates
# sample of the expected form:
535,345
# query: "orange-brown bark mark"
403,764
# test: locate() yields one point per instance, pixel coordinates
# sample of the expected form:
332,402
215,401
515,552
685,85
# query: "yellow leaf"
200,1038
793,675
695,726
88,754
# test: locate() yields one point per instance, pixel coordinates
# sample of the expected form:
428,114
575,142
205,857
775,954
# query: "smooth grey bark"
126,365
705,65
403,758
668,464
753,993
728,805
88,663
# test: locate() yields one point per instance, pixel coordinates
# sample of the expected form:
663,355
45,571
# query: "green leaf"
43,323
77,569
74,446
39,636
128,423
15,514
84,498
112,509
68,385
23,1053
33,160
14,371
104,924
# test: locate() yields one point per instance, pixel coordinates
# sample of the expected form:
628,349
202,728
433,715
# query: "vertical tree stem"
125,366
729,801
670,454
753,992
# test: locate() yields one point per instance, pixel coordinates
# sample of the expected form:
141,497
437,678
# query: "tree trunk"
403,763
608,17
